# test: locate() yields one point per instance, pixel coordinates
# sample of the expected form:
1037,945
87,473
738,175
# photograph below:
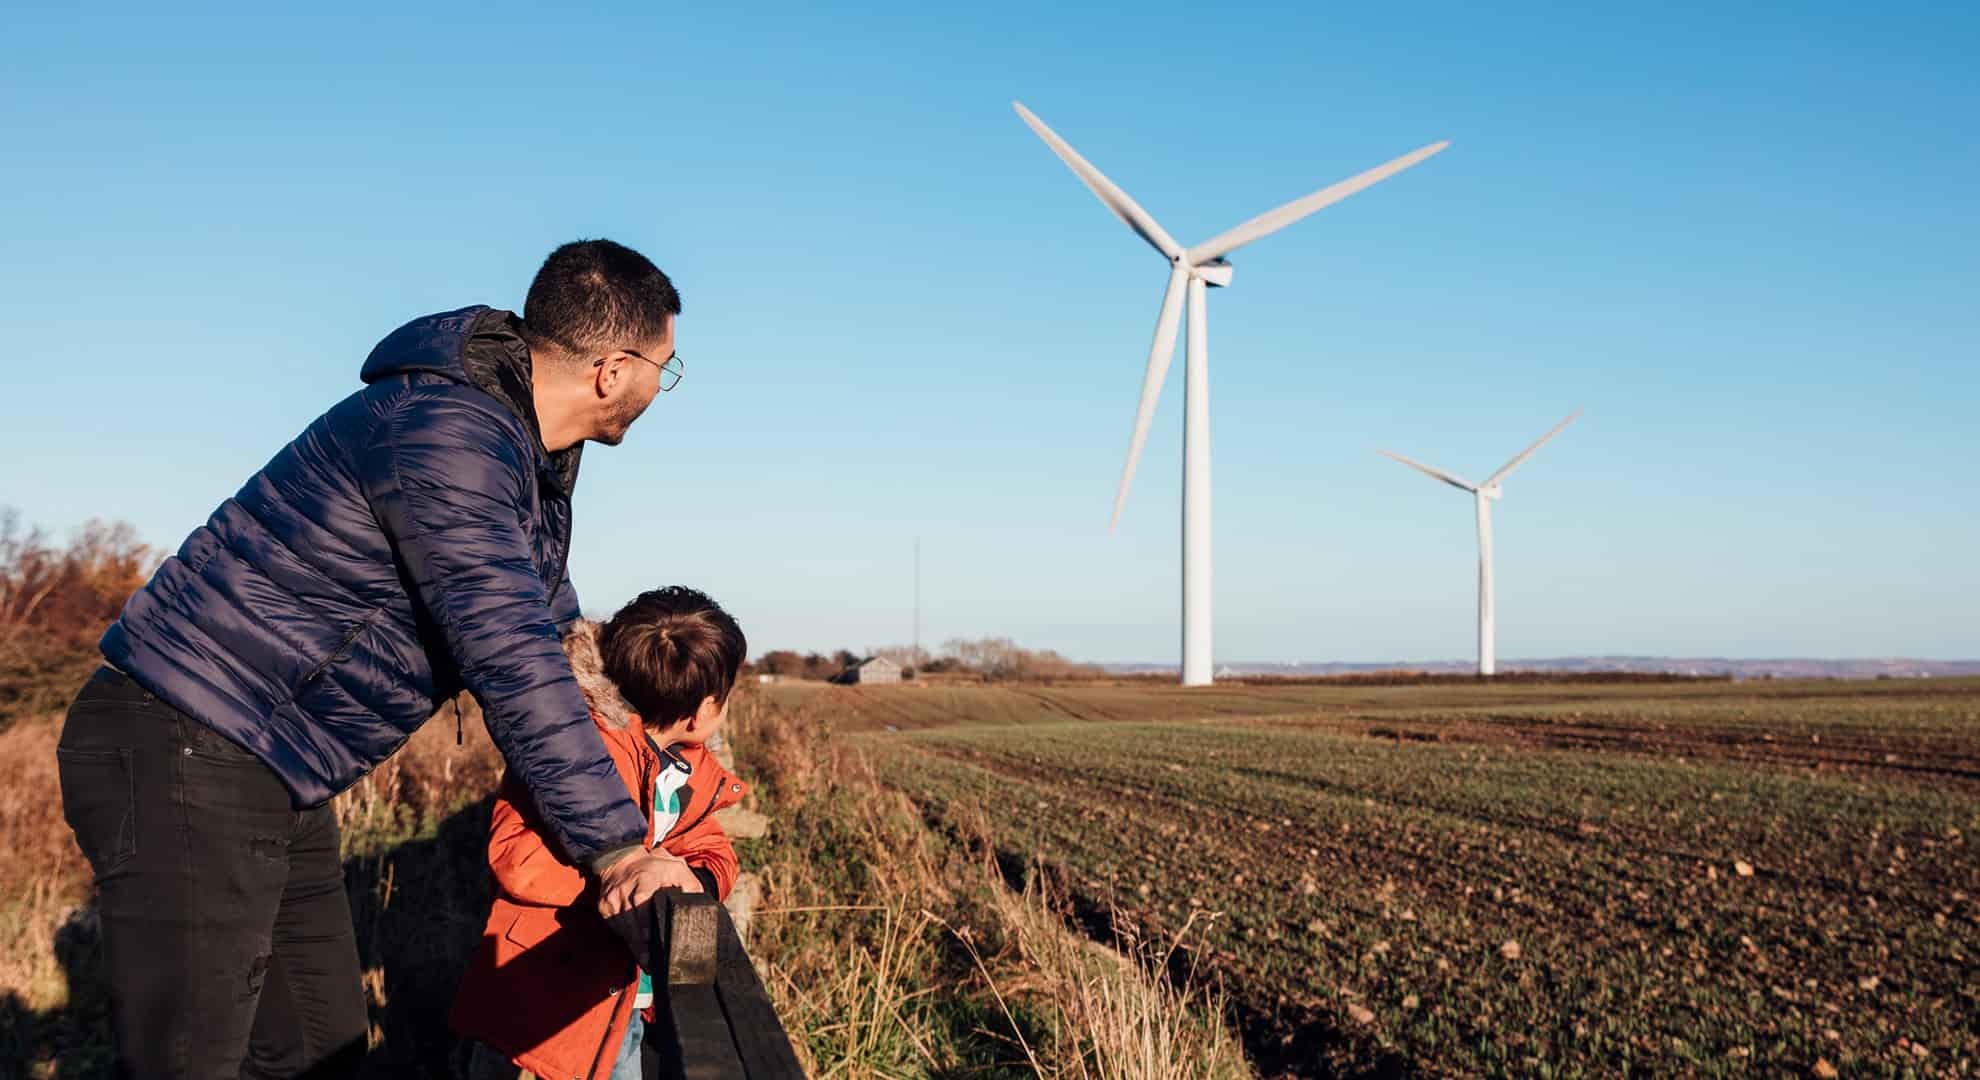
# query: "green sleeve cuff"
601,862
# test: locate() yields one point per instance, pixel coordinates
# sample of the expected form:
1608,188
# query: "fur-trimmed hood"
588,664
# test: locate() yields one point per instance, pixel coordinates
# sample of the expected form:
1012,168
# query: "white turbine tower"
1483,495
1194,269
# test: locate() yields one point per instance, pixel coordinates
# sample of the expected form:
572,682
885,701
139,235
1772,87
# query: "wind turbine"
1483,495
1191,271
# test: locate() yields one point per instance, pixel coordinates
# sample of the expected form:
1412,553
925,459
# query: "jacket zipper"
713,803
718,772
709,809
646,793
563,560
336,654
606,1040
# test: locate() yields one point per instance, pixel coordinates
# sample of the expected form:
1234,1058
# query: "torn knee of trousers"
257,973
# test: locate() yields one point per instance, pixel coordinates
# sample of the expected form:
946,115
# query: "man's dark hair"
596,296
670,648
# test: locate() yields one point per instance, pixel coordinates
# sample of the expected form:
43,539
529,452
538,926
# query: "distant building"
872,671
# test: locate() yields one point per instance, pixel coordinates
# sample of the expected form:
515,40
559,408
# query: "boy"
551,989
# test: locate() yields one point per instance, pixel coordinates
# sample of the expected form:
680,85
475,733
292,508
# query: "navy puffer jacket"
409,543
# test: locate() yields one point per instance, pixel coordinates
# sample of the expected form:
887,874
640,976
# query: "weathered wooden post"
713,1018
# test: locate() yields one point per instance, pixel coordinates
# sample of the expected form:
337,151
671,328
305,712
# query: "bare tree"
908,656
1001,659
69,594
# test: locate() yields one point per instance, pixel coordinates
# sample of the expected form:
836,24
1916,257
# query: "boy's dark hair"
596,296
670,648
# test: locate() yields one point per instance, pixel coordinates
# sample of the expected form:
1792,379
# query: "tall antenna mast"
917,599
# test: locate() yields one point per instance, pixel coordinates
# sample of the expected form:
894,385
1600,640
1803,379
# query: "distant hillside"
1887,667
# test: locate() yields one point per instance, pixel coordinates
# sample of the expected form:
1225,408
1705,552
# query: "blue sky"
1746,243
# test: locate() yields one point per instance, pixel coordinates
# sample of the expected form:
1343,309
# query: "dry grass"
1123,1019
894,950
43,879
446,766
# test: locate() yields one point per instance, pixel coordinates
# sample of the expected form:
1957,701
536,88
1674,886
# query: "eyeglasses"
670,371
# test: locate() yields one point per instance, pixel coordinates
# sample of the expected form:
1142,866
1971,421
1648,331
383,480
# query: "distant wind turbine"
1483,495
1193,270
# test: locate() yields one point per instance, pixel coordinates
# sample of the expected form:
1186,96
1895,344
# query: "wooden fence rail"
713,1019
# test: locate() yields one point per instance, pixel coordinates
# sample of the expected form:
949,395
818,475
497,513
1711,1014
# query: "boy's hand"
633,880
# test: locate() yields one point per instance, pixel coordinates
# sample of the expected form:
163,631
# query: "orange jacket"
550,985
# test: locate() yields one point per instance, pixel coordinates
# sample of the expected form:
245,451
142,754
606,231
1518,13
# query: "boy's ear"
706,713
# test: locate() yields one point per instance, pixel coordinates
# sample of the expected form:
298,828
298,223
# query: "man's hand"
633,880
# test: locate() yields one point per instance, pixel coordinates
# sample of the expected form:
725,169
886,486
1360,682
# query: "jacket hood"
479,346
608,706
588,664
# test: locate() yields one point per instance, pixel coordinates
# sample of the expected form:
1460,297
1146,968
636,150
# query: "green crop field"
1507,879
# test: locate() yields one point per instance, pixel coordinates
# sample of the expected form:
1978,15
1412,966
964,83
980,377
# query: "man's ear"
605,375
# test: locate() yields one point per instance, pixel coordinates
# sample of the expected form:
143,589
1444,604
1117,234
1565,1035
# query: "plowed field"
1512,880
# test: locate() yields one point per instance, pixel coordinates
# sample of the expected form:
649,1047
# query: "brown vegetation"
43,879
54,603
896,949
792,664
990,659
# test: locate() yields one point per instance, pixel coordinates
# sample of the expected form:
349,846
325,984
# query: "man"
410,543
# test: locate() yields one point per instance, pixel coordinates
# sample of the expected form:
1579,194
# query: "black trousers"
227,939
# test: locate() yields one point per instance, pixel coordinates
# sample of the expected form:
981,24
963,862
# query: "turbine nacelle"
1492,492
1216,273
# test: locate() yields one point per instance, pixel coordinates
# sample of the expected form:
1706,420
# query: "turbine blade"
1110,193
1273,220
1159,355
1528,452
1435,474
